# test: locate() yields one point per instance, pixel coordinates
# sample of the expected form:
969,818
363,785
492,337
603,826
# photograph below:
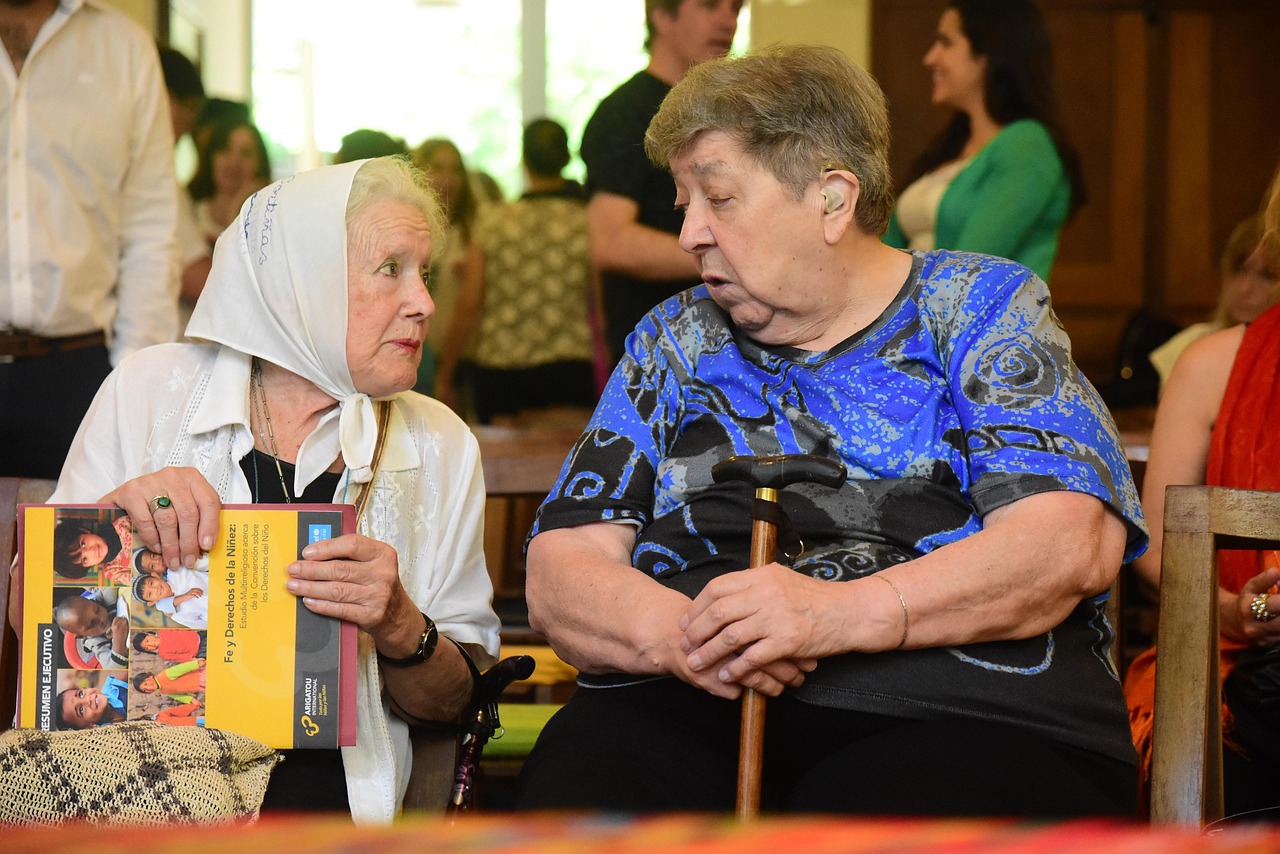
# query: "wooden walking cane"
768,475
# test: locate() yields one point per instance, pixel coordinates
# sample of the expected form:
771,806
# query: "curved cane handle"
780,471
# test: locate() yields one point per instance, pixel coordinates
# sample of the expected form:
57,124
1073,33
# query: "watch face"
427,645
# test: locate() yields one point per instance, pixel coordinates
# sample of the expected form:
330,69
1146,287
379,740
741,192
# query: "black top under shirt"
307,780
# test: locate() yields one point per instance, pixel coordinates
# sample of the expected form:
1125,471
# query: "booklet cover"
108,633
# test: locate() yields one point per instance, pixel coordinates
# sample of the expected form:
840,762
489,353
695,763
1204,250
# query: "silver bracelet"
906,618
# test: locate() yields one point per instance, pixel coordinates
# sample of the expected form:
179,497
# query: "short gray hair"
396,179
797,109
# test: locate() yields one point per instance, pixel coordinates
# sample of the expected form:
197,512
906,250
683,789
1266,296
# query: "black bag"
1252,693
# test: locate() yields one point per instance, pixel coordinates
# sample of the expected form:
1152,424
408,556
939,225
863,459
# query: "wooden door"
1220,144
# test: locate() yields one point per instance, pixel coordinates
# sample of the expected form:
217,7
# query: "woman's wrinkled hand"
756,629
184,530
1247,627
770,679
353,578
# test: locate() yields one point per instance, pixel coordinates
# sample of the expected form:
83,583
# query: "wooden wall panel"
1175,108
1102,87
901,33
1190,278
1223,142
1100,60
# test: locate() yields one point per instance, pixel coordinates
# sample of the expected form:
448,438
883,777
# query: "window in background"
587,58
423,68
585,62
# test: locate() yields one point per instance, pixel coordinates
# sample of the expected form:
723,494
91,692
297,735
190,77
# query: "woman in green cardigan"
1001,178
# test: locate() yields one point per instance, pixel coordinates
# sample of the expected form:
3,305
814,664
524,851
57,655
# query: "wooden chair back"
14,491
435,758
1136,454
520,467
1186,770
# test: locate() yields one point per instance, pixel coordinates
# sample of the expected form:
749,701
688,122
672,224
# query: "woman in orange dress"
1216,425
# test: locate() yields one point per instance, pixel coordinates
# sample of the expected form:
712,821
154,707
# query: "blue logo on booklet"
316,533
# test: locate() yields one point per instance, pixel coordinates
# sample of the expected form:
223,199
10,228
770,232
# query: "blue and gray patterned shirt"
961,398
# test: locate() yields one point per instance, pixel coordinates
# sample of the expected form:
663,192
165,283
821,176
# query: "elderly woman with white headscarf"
313,321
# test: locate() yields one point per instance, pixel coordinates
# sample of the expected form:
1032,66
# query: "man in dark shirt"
633,221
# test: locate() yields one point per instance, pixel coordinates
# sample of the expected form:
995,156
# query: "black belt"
24,345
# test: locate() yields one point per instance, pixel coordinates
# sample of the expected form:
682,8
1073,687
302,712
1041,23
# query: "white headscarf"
278,290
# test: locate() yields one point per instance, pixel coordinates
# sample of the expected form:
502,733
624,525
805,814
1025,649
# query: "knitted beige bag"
138,772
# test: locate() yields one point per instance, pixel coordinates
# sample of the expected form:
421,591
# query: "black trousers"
665,746
42,402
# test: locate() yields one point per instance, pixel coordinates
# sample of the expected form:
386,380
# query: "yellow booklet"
109,633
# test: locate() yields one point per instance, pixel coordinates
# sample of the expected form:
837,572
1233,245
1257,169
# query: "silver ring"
158,503
1259,608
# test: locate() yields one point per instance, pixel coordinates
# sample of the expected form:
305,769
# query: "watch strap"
426,648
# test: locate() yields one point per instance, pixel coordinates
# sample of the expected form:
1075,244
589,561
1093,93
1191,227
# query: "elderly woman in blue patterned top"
939,647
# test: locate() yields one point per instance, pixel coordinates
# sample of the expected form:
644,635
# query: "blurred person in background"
194,254
233,166
1248,278
526,324
365,143
1002,178
1216,425
217,111
458,269
631,207
88,236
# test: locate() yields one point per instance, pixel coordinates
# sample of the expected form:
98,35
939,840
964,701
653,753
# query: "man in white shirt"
87,271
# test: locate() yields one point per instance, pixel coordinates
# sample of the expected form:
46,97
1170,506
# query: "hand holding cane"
767,475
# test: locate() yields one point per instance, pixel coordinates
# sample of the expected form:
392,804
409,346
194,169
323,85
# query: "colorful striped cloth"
580,834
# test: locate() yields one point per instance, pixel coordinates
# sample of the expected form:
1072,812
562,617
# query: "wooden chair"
1186,771
521,465
1120,607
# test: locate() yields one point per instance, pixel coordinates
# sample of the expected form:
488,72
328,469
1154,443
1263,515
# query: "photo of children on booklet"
129,632
92,546
89,698
94,625
110,633
156,689
172,597
167,676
